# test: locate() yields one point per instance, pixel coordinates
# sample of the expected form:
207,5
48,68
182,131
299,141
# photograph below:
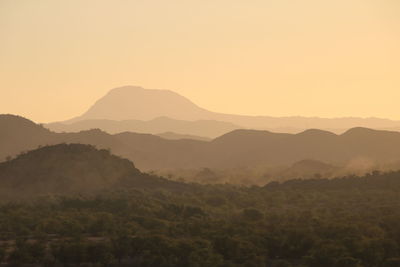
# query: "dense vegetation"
351,221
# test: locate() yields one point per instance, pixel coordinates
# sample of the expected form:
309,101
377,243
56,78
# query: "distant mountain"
137,103
158,125
73,168
236,149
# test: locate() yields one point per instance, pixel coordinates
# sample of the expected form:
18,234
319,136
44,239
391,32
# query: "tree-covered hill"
71,168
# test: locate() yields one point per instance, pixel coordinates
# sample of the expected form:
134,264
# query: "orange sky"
262,57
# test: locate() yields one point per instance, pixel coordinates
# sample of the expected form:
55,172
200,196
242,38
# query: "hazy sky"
263,57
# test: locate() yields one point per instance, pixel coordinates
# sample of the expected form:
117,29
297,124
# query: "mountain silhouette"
136,103
239,148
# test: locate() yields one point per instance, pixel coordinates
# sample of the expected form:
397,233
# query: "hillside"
71,168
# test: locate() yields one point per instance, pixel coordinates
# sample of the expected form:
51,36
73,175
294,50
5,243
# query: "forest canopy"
349,221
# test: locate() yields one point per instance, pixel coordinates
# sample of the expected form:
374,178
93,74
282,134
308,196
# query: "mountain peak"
138,103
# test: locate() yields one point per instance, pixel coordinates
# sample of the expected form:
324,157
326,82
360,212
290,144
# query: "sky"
255,57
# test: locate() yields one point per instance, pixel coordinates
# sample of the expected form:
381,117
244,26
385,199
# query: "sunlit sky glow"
256,57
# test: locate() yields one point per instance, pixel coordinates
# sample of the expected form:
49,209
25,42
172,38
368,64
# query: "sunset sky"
258,57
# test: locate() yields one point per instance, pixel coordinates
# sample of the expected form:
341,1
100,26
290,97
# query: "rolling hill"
236,149
207,128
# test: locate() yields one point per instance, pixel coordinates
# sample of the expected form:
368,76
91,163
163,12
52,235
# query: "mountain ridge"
239,148
137,103
206,128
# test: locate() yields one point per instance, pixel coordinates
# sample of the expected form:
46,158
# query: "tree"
252,214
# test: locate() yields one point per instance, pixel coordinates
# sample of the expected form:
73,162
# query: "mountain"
158,125
236,149
71,168
136,103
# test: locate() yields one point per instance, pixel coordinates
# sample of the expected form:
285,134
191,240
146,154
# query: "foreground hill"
237,149
72,168
137,103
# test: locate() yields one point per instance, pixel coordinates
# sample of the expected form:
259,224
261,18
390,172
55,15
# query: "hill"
19,134
71,168
237,149
137,103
